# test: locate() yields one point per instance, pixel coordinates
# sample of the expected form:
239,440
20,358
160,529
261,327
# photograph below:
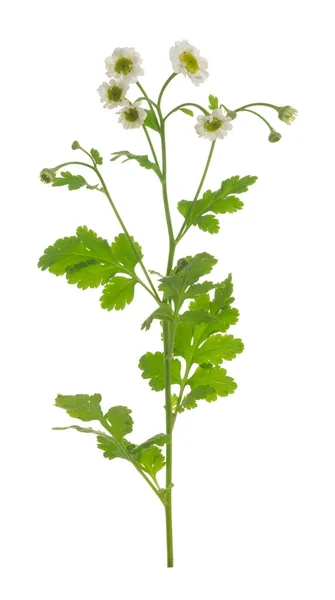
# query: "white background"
254,489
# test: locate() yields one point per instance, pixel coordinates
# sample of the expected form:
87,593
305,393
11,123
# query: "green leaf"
74,182
152,366
193,268
218,347
160,439
201,288
163,313
120,420
202,392
117,293
110,448
202,302
143,160
96,156
219,202
213,102
81,406
124,253
216,378
152,460
183,339
208,223
196,317
88,260
151,120
187,111
81,429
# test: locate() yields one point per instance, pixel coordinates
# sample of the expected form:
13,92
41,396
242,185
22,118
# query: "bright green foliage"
74,182
151,120
89,261
117,293
80,429
159,439
120,421
208,223
183,339
111,448
142,159
81,406
152,460
152,366
124,253
202,392
96,156
195,317
200,288
163,313
191,269
187,111
218,347
216,378
219,202
213,102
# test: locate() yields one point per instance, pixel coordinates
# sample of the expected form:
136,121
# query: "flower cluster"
124,68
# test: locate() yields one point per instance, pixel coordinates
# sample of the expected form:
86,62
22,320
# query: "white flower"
287,114
112,94
124,64
132,116
186,59
213,126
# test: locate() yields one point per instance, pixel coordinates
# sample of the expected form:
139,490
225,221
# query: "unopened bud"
274,136
47,175
232,114
75,145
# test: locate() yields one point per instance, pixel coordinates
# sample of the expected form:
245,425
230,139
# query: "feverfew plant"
194,313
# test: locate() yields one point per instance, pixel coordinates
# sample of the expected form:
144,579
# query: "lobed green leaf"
96,156
221,201
120,421
152,366
118,293
81,406
143,160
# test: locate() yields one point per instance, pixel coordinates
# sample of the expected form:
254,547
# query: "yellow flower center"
190,62
213,125
131,115
114,94
123,66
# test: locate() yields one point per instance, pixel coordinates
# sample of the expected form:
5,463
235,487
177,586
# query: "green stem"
257,115
74,162
184,228
157,298
187,104
151,147
168,340
124,450
166,200
169,427
256,104
164,88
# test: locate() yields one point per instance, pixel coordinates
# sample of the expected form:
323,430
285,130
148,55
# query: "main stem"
168,340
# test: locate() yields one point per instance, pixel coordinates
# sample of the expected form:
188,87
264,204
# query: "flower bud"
181,264
274,136
232,114
75,145
47,175
287,114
